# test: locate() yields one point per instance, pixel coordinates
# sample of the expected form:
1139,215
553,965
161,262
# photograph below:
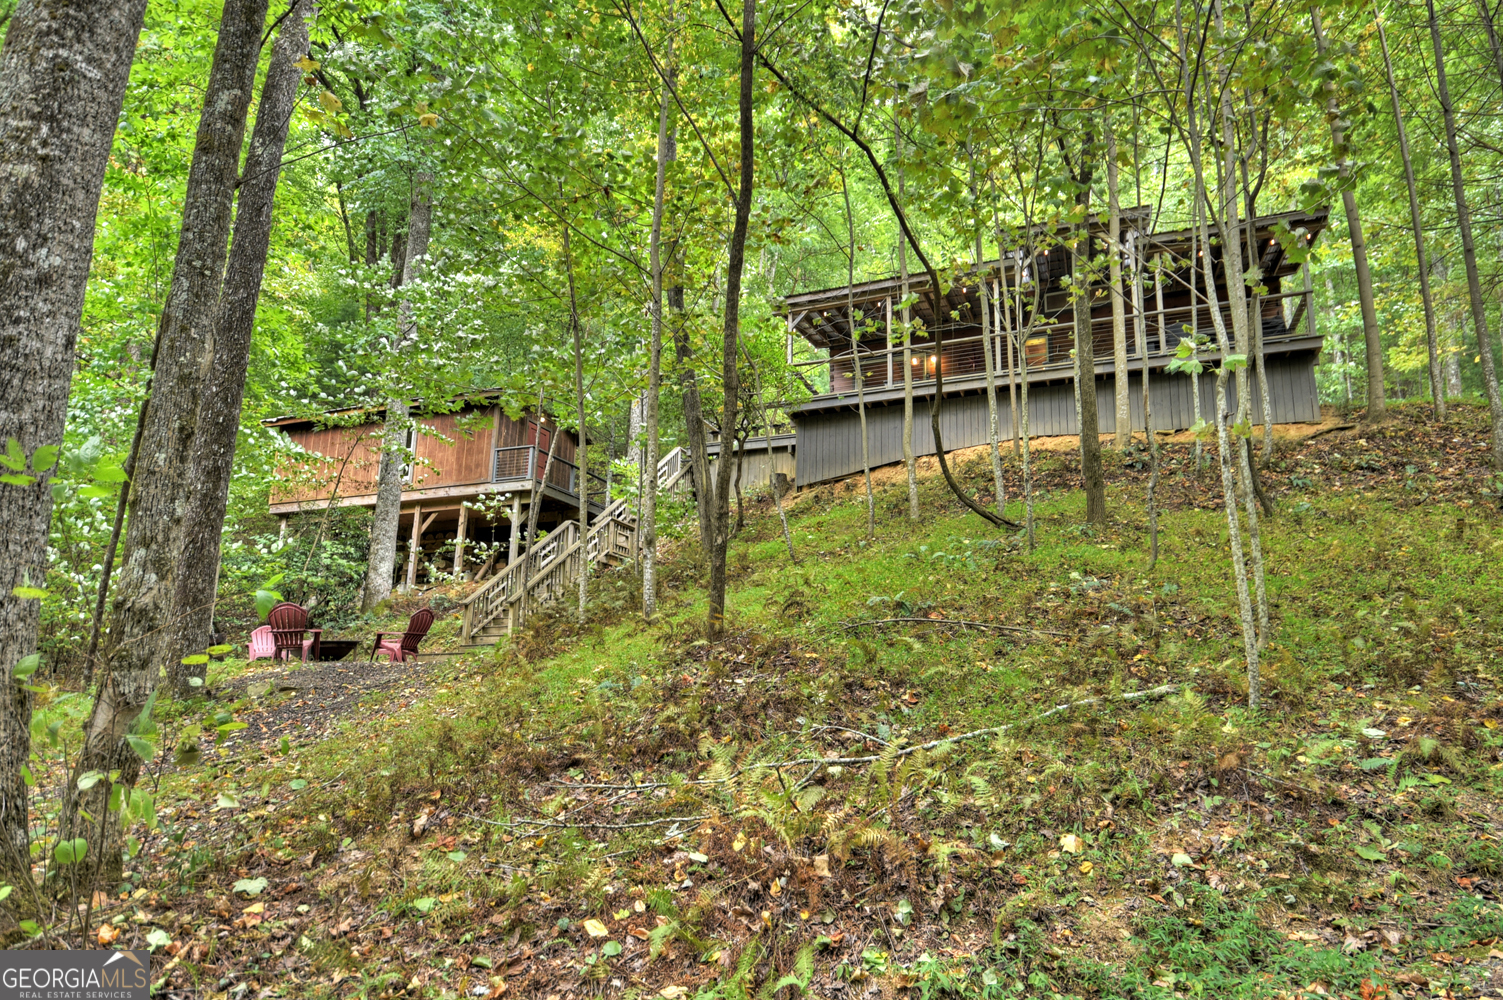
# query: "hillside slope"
931,764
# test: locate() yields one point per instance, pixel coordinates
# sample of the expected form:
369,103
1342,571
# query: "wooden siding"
355,450
754,467
451,450
829,442
454,448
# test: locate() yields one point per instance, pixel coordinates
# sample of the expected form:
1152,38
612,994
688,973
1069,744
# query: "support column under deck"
414,547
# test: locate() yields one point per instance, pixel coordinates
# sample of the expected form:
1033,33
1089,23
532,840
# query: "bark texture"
63,72
1376,404
219,410
655,364
388,513
731,328
140,636
1085,384
908,457
1464,223
1417,223
1120,384
988,356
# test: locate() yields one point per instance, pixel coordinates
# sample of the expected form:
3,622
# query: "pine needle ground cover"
871,788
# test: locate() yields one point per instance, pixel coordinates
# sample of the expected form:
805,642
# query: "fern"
803,971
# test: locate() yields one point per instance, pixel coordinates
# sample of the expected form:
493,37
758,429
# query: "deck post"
414,547
516,528
459,539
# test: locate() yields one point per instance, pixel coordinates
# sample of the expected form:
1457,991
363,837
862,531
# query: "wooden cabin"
476,472
1032,315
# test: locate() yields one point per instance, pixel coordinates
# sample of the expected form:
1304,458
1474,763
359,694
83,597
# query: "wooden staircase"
549,570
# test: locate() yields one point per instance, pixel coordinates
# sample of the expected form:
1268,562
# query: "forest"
658,498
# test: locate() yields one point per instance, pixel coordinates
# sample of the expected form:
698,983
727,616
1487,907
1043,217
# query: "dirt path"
305,702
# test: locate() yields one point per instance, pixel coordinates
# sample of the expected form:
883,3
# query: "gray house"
1032,328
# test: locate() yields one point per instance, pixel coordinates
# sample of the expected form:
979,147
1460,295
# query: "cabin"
1032,337
475,475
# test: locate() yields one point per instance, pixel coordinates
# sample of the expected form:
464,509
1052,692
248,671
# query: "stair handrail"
503,582
539,557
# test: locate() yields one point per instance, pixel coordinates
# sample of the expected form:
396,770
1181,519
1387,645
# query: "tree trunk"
1085,379
63,71
1468,246
1120,378
381,560
1242,325
140,636
1153,441
908,457
1196,249
694,420
1019,333
1376,405
581,455
857,366
993,434
1202,204
655,362
219,410
387,516
730,360
1416,222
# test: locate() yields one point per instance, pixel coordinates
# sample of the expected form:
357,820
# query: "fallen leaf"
639,933
255,908
1085,867
108,933
674,992
822,865
1182,859
1071,843
595,928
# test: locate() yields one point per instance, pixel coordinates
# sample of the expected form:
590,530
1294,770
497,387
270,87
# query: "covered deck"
1032,333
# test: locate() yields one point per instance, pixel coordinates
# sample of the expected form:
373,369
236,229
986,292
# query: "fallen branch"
1328,430
953,621
1157,692
583,824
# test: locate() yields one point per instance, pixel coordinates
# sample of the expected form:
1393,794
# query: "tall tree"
731,328
1085,349
382,558
1341,149
1468,243
140,636
665,153
219,409
63,71
1417,223
988,346
1121,384
858,367
909,462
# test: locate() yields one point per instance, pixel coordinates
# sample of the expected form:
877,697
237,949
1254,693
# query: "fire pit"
335,649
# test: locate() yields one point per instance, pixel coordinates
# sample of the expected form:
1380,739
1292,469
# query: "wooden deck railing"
528,462
673,467
549,568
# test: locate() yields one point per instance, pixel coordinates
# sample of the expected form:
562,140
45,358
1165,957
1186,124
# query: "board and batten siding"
829,441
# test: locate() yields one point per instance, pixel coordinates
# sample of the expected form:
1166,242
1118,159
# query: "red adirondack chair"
289,625
400,647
